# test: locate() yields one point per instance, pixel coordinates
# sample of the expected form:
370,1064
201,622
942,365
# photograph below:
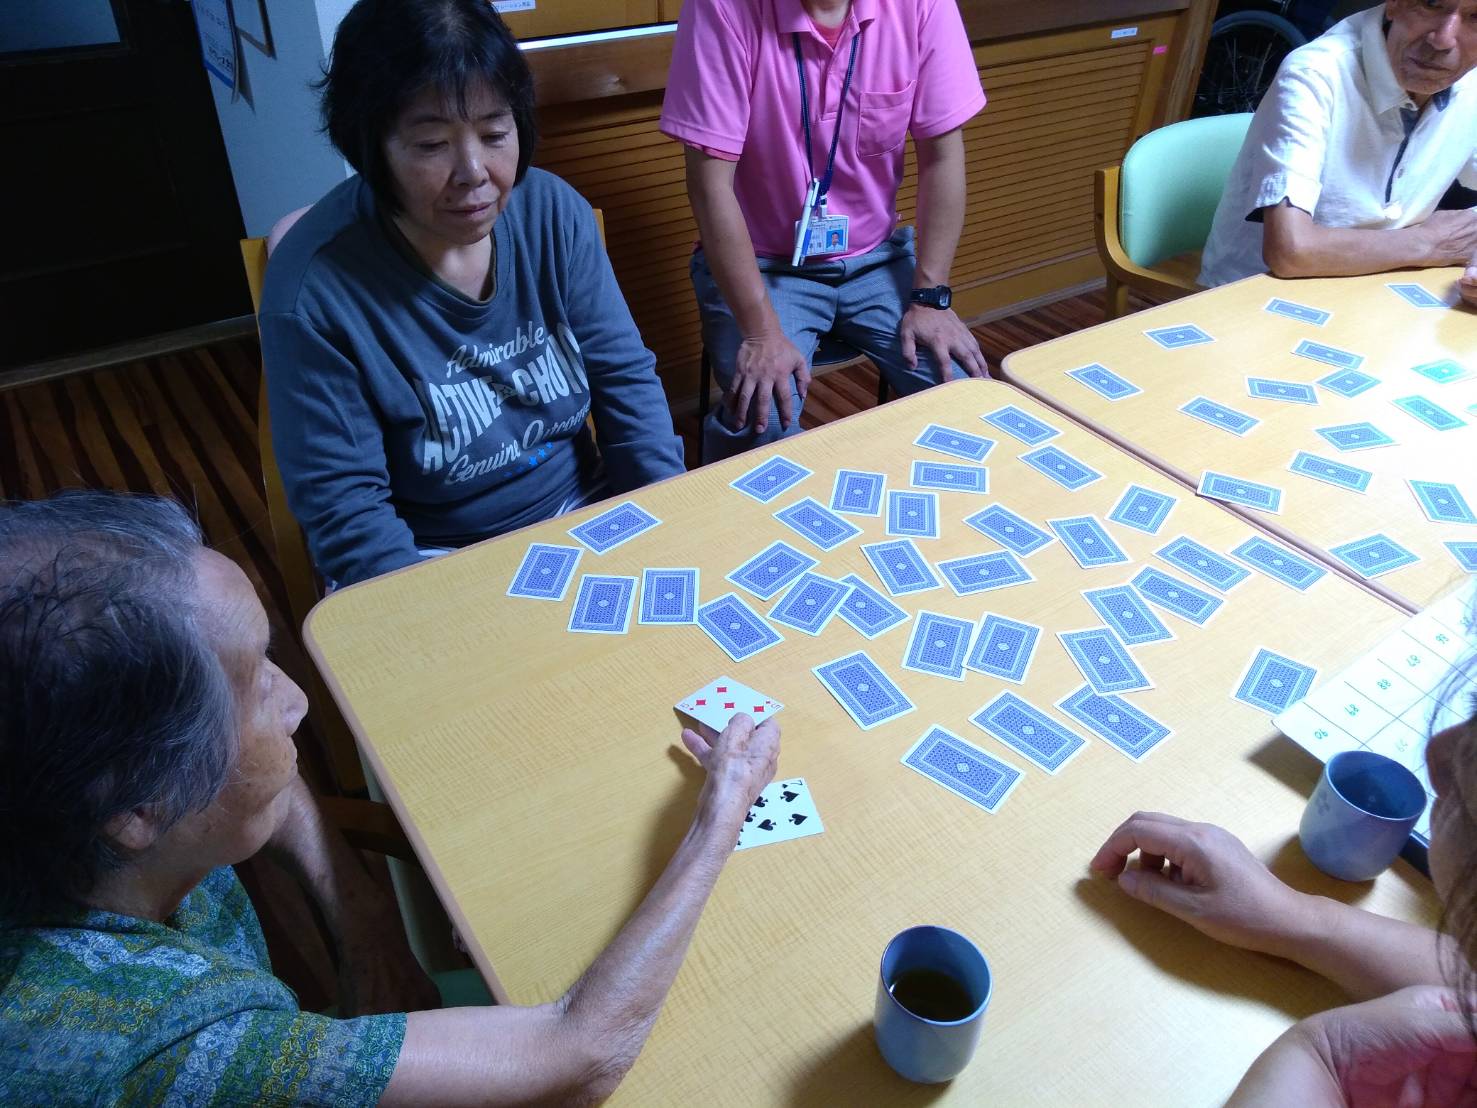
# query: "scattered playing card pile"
1184,587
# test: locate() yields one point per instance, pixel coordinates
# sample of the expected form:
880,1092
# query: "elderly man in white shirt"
1352,149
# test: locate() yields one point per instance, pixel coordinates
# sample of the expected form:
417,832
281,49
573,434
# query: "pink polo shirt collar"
790,15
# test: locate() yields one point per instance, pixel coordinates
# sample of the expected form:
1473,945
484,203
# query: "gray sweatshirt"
406,415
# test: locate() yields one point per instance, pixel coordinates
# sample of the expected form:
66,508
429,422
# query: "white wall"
278,158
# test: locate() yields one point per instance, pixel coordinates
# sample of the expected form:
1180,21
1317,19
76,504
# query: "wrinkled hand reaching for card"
740,760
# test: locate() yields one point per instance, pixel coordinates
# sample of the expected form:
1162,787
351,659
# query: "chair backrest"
296,565
1171,182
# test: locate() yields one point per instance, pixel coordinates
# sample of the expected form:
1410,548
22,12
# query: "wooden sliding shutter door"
613,153
1060,106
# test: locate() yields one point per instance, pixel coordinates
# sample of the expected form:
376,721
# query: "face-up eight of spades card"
783,811
719,701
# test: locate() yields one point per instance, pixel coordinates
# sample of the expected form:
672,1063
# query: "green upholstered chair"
1154,213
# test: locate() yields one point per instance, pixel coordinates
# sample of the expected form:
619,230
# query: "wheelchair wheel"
1241,60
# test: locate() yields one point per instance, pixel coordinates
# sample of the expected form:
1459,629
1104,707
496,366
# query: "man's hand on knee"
761,380
942,334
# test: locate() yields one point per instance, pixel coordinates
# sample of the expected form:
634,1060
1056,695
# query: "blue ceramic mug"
1361,813
931,1000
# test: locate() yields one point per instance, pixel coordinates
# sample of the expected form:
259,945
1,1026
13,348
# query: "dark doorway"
118,216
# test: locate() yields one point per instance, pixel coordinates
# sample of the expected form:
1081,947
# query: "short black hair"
386,51
112,697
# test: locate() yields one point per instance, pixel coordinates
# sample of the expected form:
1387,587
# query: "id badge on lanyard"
819,233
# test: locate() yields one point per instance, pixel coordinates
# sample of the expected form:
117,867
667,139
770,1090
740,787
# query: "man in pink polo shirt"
795,114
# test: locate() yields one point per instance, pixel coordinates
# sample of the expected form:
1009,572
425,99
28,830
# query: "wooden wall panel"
569,17
1060,107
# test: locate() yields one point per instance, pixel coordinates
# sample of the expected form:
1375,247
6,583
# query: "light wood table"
1368,319
539,775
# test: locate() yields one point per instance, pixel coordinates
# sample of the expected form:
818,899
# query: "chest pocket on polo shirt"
883,119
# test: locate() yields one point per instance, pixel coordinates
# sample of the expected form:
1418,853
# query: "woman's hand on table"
1412,1047
740,761
1204,875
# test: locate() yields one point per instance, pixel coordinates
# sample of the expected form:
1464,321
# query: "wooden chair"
372,827
304,588
1153,215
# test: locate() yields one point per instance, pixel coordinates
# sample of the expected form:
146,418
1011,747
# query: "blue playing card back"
1029,731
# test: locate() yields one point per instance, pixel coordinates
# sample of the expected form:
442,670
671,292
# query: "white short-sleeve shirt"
1337,137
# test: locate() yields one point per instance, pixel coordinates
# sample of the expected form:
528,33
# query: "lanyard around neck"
825,181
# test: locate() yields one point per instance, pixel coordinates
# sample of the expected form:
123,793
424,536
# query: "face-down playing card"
858,492
774,567
1054,462
1200,561
1020,425
785,810
1104,382
1029,731
1330,472
1015,533
613,527
546,572
602,606
1124,610
1122,725
1104,661
810,603
1166,591
1279,563
1273,682
869,696
739,630
957,444
950,476
669,596
984,572
771,478
962,768
1003,648
1142,509
938,645
866,609
1239,490
813,521
1088,541
911,512
1442,502
901,568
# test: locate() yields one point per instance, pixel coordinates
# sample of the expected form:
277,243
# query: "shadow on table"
1294,767
672,824
853,1072
1192,957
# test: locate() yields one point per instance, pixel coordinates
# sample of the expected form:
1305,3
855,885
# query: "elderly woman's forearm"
577,1049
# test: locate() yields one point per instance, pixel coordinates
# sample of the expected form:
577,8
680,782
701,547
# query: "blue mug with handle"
1360,815
931,999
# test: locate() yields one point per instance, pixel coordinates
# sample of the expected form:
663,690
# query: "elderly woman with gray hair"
145,748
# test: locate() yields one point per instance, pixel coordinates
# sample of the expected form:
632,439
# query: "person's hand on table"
1412,1048
761,380
1467,283
1451,236
740,761
1201,874
942,334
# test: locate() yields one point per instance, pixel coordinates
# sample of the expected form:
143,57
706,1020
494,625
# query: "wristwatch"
940,297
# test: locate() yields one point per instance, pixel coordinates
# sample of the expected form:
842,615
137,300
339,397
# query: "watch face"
944,295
